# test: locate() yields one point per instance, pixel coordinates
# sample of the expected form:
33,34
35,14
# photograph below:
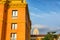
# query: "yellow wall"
1,18
23,21
39,38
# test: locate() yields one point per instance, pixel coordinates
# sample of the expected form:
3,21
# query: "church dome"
36,31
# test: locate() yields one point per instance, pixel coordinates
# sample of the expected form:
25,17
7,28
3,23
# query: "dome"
36,31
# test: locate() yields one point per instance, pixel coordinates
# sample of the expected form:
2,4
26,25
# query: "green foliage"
49,36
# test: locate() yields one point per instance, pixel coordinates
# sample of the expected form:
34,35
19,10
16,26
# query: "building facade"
41,37
37,37
15,23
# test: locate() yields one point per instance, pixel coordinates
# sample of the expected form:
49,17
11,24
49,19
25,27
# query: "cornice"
14,3
2,2
17,5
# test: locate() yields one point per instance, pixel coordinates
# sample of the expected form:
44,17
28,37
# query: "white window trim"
13,36
14,14
14,26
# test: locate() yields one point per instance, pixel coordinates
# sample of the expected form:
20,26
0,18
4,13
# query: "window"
14,26
14,14
13,36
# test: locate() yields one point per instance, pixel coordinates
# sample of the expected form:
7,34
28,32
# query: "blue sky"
45,15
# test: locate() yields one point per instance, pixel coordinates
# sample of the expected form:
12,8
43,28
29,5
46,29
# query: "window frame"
14,15
13,26
13,36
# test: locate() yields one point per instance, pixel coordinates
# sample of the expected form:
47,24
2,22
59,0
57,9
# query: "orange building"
15,23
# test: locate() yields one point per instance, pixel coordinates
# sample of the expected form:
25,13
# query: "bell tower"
15,22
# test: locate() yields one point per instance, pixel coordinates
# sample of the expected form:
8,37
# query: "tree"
50,36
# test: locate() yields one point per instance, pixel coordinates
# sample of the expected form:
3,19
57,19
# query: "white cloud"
36,15
39,26
34,8
53,13
52,17
44,15
44,29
